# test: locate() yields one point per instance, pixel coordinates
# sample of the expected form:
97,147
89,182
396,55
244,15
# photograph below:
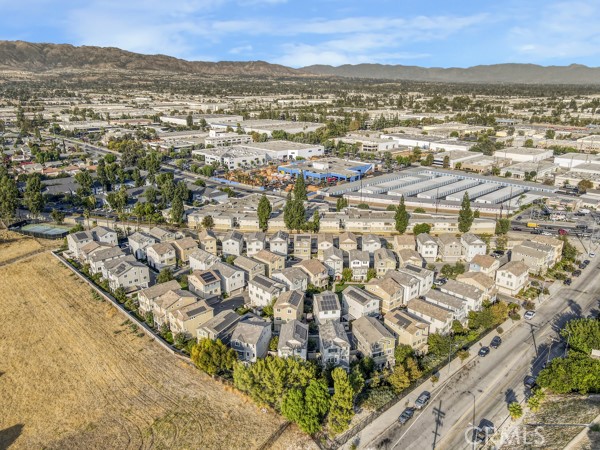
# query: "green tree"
264,212
502,226
57,216
341,408
33,197
300,188
465,216
578,372
569,251
584,185
85,181
420,228
189,120
9,194
401,217
164,275
341,203
317,400
316,221
371,273
528,143
583,334
428,161
446,163
208,222
515,410
347,274
402,352
413,370
399,378
213,357
177,210
550,134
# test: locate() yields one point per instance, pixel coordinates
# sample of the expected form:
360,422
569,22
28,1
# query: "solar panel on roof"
301,331
208,277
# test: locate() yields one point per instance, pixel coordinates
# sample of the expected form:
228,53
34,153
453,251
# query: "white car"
592,254
529,315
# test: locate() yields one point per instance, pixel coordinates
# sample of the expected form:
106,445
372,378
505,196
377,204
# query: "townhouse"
390,293
317,272
273,262
537,257
288,306
250,339
324,243
147,297
458,307
512,277
482,282
472,246
221,326
373,340
427,247
293,277
161,255
233,243
384,260
449,248
208,241
409,256
77,240
101,256
359,261
358,302
485,264
139,242
187,319
279,243
201,259
106,235
439,318
264,291
467,292
184,248
410,284
408,329
334,344
348,241
293,340
302,246
255,242
169,302
250,266
370,243
129,275
333,259
205,284
232,279
425,276
404,242
326,307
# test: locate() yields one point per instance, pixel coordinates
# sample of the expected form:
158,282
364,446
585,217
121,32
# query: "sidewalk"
367,436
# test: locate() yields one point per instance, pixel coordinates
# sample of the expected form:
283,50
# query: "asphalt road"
491,382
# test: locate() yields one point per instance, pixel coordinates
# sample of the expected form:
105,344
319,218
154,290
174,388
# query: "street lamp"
473,423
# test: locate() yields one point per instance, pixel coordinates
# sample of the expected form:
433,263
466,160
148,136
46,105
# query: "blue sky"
432,33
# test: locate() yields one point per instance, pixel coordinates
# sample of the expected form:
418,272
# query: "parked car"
529,315
529,382
567,282
440,281
592,254
406,415
483,432
576,273
484,351
496,342
422,400
517,229
586,262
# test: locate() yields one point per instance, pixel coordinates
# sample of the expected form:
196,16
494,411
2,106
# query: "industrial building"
328,169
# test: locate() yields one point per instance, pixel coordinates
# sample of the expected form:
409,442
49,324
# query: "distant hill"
25,56
30,57
492,74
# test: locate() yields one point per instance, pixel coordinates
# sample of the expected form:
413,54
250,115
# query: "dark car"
576,273
529,382
582,266
422,400
406,415
517,229
483,351
496,342
567,282
483,432
586,262
536,232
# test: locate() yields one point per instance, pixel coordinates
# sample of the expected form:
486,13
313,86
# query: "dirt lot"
557,412
14,245
74,374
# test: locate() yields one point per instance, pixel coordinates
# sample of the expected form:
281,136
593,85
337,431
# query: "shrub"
499,330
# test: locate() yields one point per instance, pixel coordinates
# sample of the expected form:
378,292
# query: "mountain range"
33,57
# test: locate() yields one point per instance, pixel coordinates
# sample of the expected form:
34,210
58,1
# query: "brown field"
15,245
74,374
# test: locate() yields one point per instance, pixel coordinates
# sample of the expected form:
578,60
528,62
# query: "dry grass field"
14,245
74,374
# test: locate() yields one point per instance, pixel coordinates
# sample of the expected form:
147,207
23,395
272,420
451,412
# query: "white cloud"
562,30
241,49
